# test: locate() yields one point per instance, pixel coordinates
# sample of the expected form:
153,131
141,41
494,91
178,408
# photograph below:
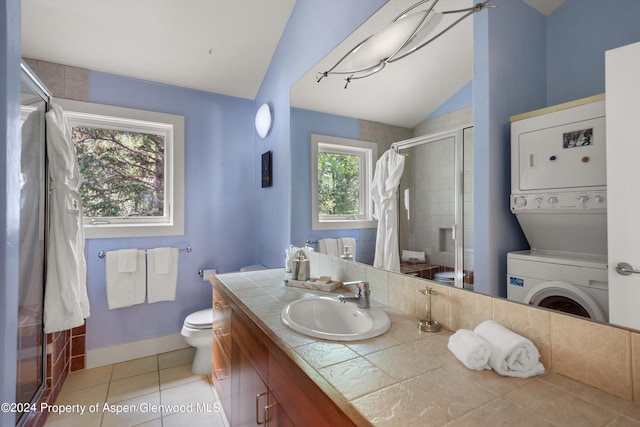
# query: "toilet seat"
202,319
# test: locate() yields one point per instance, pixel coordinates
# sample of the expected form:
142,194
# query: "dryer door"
567,298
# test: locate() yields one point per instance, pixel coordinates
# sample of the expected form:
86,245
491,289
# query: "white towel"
128,288
328,246
127,260
470,349
162,259
162,286
347,241
419,256
511,354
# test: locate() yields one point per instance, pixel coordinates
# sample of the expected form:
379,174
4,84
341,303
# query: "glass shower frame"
458,227
31,304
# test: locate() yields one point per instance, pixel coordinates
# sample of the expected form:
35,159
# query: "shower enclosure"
436,207
31,357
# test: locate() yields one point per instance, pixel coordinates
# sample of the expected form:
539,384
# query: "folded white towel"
470,349
511,354
419,256
128,288
162,286
328,246
127,260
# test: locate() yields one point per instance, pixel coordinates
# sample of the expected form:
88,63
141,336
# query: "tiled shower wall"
603,356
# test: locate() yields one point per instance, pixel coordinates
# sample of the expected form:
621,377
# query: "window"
132,167
342,170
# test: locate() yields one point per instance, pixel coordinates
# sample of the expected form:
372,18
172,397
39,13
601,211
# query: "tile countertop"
409,377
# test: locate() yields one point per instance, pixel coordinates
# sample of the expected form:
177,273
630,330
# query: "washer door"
567,298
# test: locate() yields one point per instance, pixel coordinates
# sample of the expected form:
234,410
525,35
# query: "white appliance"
574,284
559,196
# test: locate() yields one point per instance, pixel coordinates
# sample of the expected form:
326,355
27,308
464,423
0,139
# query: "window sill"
343,225
106,231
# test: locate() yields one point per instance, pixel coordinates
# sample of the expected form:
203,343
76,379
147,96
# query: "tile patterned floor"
154,391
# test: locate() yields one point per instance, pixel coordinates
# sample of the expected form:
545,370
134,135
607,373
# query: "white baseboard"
134,350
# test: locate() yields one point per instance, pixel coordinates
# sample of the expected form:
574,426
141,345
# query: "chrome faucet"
361,298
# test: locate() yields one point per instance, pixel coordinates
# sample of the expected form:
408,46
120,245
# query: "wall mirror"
405,101
433,201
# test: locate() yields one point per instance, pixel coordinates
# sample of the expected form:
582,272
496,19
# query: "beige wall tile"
50,69
75,73
356,271
592,353
402,293
339,269
530,322
379,284
468,309
76,89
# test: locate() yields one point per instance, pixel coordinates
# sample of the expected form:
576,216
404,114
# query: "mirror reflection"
462,234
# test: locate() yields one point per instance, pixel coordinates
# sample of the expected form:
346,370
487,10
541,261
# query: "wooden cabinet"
252,403
221,357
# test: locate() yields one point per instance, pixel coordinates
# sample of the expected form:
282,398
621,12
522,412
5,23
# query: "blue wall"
579,32
314,29
219,206
509,77
9,199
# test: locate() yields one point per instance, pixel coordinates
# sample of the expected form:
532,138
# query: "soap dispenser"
301,267
346,255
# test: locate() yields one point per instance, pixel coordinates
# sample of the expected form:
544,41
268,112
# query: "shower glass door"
31,357
436,207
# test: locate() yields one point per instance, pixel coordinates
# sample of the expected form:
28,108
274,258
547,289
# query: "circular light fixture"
263,120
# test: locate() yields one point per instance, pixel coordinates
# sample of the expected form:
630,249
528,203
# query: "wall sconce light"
412,30
263,120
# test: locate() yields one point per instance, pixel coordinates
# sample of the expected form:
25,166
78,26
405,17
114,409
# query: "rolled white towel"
511,354
470,349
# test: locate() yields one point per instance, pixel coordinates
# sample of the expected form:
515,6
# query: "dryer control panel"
570,200
560,151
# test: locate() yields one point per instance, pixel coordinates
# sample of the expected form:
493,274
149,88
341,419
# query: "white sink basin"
329,319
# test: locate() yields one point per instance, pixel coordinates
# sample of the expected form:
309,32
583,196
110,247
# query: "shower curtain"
384,190
66,303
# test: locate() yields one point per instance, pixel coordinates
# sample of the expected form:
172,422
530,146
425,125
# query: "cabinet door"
221,370
249,395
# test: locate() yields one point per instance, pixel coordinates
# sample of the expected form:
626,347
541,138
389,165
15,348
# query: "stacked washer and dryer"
559,196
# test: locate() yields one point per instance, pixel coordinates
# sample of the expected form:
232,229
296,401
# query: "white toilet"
197,332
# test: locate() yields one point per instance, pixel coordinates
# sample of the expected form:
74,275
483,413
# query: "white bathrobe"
66,304
384,190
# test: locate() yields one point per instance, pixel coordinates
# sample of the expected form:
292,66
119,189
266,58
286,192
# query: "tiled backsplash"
602,356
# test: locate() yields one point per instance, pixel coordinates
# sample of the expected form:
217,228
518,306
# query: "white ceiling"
225,47
221,46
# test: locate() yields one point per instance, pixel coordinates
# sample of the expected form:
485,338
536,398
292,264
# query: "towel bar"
103,254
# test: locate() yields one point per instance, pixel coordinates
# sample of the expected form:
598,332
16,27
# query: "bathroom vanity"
266,371
255,377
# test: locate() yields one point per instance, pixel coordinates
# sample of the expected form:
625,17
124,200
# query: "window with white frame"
341,174
132,162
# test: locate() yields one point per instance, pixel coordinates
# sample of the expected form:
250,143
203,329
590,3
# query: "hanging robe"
384,190
66,303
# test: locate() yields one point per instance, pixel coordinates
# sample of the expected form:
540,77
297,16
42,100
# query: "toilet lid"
200,319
